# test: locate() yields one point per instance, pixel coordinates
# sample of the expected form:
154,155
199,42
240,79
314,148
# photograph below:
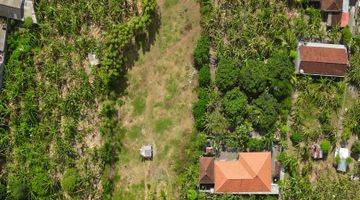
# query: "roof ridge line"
246,166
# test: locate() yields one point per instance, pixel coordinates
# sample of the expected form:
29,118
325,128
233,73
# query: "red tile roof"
323,54
323,59
250,173
206,170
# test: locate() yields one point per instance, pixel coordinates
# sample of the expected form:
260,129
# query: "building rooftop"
250,173
146,151
206,170
324,53
331,5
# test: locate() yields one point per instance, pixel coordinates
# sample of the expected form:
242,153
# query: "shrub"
199,110
296,138
255,144
280,66
356,148
289,162
3,194
70,180
264,112
346,36
216,123
227,75
325,146
204,76
201,52
106,153
354,69
281,89
234,104
254,77
293,55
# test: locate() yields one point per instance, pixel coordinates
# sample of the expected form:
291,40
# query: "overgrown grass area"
165,74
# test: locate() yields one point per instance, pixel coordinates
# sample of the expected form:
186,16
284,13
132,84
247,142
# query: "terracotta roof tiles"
250,173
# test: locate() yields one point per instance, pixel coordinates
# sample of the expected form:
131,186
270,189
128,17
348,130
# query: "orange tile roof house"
249,174
321,59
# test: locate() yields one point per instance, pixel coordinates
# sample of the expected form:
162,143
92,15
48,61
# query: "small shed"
13,9
316,152
146,152
343,154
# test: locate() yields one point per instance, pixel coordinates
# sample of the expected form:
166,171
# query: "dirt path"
157,109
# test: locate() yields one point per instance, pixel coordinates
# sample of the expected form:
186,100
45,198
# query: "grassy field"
157,107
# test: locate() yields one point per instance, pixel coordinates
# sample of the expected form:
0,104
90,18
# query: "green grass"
134,131
138,105
162,125
169,3
171,88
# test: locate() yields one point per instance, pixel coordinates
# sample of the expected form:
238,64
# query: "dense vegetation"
59,129
248,106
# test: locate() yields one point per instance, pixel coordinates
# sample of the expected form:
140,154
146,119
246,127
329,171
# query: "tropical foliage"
59,128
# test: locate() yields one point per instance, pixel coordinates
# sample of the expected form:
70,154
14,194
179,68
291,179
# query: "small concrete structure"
18,9
3,33
343,154
146,152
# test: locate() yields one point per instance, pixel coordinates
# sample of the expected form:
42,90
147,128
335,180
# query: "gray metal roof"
12,3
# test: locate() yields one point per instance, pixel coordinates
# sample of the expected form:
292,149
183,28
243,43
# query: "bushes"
325,146
255,144
70,181
201,52
264,112
227,74
296,138
355,149
346,36
354,69
204,76
254,77
234,105
289,162
216,123
199,109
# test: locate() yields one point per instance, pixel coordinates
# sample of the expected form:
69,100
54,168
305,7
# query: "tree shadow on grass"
142,41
